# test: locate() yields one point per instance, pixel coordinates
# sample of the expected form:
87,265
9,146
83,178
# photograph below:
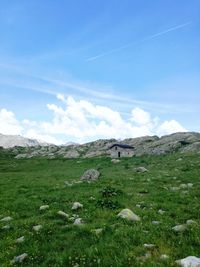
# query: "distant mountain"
8,141
70,144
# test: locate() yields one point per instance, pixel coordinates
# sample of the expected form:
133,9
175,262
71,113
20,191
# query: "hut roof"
122,146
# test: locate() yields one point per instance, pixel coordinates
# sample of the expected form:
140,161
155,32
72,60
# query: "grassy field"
27,184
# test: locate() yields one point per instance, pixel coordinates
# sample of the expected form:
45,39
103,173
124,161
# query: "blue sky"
135,58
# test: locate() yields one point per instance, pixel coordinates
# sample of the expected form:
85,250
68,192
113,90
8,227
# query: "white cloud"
82,121
168,127
8,123
140,116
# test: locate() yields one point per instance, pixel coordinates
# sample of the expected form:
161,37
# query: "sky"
77,71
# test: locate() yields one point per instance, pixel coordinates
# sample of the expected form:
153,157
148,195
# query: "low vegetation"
165,196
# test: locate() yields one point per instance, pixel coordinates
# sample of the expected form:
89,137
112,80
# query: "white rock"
155,222
78,182
128,215
149,245
189,222
20,258
68,184
37,228
183,186
115,160
97,231
78,221
161,211
20,239
164,257
175,188
6,227
179,228
6,219
190,261
77,206
190,185
63,214
141,169
44,207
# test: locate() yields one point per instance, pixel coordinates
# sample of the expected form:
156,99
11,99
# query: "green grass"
27,184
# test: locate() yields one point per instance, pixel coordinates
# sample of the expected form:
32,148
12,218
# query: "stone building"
121,150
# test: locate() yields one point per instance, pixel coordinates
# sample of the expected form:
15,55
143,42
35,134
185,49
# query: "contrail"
140,41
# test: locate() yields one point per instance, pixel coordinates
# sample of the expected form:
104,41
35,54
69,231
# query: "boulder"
141,169
44,207
72,154
19,258
63,214
128,215
190,261
78,221
37,228
76,206
90,175
20,239
179,228
6,219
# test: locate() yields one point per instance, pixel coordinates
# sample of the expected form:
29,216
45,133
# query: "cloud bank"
82,121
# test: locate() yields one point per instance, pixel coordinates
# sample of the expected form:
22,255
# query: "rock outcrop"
90,175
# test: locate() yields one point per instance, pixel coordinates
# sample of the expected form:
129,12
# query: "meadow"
161,194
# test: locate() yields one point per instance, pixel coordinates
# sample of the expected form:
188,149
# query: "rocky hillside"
147,145
8,141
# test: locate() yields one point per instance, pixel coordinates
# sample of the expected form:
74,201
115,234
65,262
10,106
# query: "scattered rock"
115,160
189,222
63,214
164,257
141,169
77,206
190,261
78,221
20,239
183,186
90,175
6,219
155,222
179,228
160,211
145,257
19,258
149,245
37,228
68,184
128,215
44,207
180,159
97,231
175,188
6,227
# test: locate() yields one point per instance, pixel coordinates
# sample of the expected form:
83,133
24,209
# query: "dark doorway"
119,155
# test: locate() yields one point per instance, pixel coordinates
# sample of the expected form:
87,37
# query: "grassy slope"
27,184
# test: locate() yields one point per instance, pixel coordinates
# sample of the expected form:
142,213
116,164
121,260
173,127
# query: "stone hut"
121,150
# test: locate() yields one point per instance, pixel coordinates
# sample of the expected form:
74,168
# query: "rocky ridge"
148,145
9,141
